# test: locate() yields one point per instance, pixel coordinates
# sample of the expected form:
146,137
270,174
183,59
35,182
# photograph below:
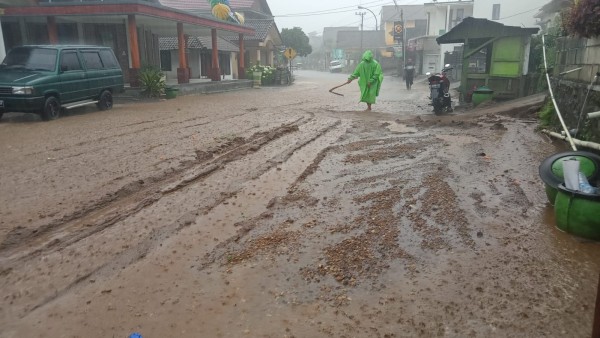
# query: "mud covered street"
286,212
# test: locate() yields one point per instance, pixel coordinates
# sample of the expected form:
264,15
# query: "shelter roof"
149,13
473,28
262,28
204,5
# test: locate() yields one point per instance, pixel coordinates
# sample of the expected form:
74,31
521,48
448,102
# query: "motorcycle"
439,86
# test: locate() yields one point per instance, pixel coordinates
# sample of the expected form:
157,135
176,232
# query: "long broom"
336,87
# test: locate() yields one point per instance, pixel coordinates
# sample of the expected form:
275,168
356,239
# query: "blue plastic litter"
585,186
135,335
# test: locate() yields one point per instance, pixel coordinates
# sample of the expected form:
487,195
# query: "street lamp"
375,16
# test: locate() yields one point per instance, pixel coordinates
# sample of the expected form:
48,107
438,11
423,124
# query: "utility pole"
362,19
403,40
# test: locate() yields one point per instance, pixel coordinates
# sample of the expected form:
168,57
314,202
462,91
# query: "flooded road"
285,212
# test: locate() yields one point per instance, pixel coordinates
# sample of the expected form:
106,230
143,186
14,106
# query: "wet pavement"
286,212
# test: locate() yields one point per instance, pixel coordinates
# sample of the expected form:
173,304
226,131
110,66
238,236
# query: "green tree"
536,57
295,38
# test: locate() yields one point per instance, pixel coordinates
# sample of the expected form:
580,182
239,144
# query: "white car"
336,66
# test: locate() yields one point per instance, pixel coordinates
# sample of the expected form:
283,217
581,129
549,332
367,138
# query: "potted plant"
152,81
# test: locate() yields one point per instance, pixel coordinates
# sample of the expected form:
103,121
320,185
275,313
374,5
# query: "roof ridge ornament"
221,9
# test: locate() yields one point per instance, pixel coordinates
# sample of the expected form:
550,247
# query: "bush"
152,81
547,116
268,73
584,18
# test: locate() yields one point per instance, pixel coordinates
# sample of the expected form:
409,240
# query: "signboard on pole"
398,30
399,50
289,53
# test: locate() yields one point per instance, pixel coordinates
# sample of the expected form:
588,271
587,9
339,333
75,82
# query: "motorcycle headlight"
22,90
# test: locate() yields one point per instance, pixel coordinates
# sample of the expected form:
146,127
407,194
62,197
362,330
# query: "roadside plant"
152,81
584,18
268,73
256,68
547,116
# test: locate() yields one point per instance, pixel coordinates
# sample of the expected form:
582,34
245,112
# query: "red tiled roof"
204,4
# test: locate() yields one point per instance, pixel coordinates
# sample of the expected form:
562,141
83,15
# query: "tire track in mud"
389,229
157,235
135,196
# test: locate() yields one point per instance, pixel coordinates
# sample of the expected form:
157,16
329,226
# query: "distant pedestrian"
409,73
369,75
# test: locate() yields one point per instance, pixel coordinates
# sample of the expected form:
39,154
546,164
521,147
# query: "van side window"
69,62
92,60
108,59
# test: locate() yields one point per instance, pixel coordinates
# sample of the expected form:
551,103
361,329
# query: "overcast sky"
313,15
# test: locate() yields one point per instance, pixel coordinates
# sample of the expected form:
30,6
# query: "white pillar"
2,47
447,28
444,48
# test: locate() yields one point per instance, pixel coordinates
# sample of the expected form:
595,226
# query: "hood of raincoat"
368,56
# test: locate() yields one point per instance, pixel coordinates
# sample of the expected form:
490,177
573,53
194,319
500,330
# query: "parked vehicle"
45,79
336,66
439,87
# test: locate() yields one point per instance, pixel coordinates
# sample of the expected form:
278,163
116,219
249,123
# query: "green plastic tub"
551,169
481,95
577,213
171,93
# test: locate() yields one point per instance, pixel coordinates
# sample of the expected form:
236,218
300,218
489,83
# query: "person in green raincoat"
369,75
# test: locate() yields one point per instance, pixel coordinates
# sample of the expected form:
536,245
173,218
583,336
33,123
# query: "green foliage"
547,116
584,18
536,56
268,73
295,38
152,81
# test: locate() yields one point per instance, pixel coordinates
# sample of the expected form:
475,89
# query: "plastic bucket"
257,77
481,95
171,93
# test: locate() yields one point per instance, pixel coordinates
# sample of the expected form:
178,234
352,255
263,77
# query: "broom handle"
343,84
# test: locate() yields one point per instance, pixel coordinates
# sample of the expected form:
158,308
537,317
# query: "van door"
73,82
96,72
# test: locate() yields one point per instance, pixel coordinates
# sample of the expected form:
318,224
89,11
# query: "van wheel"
106,100
51,110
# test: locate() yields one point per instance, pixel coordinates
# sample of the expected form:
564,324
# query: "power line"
531,10
333,10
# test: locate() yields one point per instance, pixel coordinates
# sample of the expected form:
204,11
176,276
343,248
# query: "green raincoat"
368,71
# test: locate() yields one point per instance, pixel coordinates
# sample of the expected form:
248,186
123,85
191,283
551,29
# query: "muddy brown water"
285,212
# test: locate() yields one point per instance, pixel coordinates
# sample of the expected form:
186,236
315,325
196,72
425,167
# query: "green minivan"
43,79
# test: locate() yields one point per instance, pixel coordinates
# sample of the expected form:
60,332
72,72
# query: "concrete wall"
570,97
570,90
572,53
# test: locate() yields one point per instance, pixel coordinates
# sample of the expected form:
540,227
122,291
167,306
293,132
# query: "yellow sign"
289,53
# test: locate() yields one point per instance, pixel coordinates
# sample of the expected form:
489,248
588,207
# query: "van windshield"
30,59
